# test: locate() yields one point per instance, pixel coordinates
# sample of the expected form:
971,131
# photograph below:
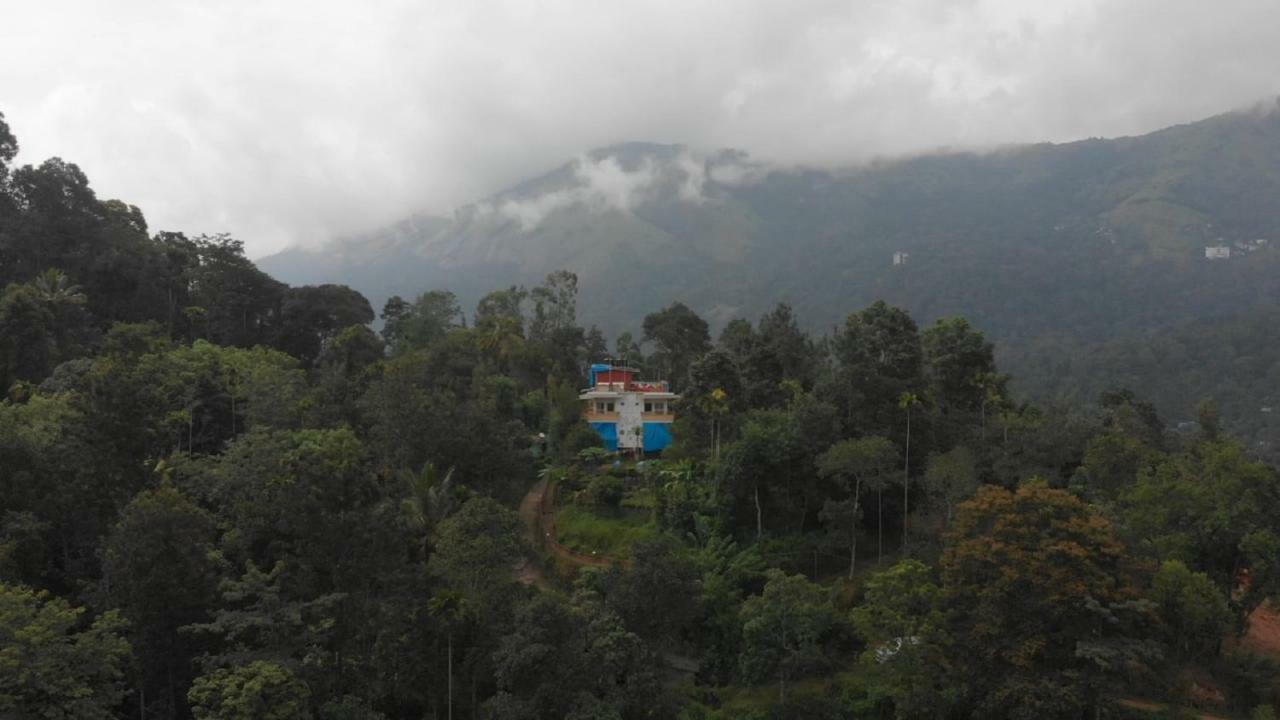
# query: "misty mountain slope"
1097,236
1094,240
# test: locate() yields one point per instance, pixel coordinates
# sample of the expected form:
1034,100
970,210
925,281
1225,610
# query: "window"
648,407
604,407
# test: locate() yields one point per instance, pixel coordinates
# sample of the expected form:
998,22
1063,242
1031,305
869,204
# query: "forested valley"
225,497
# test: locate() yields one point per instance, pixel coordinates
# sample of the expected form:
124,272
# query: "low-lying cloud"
602,184
294,122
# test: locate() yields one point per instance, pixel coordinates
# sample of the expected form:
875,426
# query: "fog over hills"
1054,244
636,221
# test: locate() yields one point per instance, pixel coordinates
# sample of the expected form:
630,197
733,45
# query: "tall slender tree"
857,462
906,401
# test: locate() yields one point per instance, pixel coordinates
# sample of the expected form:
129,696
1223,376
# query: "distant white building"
1217,252
901,258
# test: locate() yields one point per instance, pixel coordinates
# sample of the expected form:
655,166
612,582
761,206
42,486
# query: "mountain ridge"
507,233
1046,245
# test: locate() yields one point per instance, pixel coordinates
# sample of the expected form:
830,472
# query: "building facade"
627,413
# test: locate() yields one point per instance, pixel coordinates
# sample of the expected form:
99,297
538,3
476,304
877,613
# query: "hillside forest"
222,496
1084,262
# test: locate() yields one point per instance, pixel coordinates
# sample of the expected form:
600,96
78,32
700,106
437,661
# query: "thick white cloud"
603,184
291,121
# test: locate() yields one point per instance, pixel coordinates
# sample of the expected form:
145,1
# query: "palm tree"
452,609
906,401
716,404
501,337
56,288
58,293
431,499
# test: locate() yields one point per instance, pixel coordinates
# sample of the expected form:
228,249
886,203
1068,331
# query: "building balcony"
640,386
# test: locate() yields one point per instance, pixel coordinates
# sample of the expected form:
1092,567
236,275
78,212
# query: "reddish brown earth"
1153,708
527,571
537,514
1263,636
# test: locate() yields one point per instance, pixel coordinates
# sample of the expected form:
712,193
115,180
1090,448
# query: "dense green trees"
224,497
257,691
901,619
679,337
8,148
763,463
311,318
55,665
782,629
861,463
420,324
158,571
961,366
880,357
1195,611
659,596
1210,507
573,659
952,477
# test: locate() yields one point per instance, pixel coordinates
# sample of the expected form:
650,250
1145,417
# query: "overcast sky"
294,121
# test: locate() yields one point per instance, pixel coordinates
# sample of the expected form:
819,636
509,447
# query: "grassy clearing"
759,701
641,499
585,531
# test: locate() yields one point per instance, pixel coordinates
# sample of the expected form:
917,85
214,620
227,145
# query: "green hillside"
1045,246
226,497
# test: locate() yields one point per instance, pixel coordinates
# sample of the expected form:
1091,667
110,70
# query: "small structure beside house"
628,413
1217,252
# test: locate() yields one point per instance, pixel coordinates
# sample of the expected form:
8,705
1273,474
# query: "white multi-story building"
629,414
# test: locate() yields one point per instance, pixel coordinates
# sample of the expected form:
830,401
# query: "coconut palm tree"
500,337
432,498
56,288
63,300
906,401
715,404
453,610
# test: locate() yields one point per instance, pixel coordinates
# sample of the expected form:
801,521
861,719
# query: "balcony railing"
634,386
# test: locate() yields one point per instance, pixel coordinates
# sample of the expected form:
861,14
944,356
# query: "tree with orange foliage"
1040,611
